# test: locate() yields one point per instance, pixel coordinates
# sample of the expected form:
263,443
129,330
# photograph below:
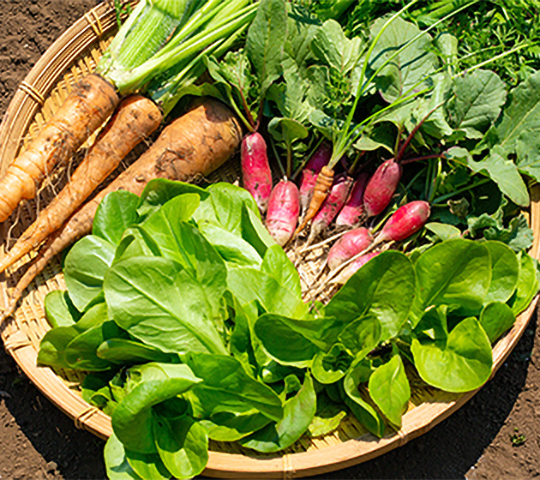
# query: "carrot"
136,118
195,144
310,172
320,192
86,108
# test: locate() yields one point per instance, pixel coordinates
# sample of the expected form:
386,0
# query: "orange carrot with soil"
137,118
144,49
85,109
195,144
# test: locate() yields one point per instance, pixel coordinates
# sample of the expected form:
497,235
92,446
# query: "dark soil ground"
38,441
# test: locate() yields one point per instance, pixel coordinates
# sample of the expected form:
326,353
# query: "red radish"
349,245
332,204
381,187
319,159
354,266
283,211
353,210
406,220
256,171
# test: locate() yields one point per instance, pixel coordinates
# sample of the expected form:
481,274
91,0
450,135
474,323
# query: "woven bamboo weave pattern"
73,56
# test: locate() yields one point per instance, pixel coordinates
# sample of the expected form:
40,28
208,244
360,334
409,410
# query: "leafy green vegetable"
496,318
460,363
84,270
59,309
456,272
390,390
298,413
387,283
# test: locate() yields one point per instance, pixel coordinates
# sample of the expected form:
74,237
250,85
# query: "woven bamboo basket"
72,56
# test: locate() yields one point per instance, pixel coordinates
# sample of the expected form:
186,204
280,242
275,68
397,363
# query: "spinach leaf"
132,420
298,414
116,212
387,284
295,342
54,343
159,303
116,464
84,270
160,190
277,264
249,284
254,232
368,416
229,426
59,309
390,390
147,465
330,367
233,249
81,352
527,285
496,318
455,272
504,272
327,417
122,351
182,444
460,363
226,387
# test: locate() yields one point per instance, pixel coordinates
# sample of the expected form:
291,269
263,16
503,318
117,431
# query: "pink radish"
353,210
381,187
406,220
283,211
354,266
256,171
319,159
349,245
332,204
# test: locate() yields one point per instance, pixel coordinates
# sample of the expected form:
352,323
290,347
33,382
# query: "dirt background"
38,441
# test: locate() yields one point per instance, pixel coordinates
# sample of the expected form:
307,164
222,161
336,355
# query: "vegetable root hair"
195,144
85,109
136,118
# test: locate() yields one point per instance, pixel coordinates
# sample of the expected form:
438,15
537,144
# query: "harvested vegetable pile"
404,252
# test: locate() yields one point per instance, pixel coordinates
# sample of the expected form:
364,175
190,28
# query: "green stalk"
145,31
137,77
344,142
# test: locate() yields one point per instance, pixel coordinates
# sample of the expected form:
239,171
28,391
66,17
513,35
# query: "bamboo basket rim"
26,103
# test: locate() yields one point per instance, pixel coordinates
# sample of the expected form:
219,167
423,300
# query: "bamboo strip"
69,58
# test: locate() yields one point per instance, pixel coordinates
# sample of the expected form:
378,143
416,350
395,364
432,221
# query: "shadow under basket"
71,57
